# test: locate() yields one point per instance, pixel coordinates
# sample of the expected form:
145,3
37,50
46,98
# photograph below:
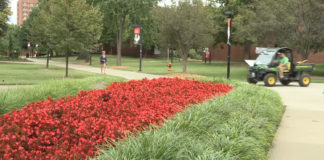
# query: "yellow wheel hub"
306,80
271,80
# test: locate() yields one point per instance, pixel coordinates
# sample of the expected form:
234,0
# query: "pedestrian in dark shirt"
103,62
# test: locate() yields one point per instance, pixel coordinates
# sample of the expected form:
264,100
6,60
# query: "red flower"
72,127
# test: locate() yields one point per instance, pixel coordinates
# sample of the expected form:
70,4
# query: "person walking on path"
103,62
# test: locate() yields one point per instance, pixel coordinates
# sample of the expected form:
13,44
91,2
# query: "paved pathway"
125,74
6,87
301,133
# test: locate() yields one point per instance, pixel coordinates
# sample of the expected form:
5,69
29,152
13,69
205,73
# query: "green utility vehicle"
264,68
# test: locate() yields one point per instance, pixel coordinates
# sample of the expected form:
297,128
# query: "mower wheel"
270,79
304,80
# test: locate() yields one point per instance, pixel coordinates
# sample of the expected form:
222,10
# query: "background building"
24,7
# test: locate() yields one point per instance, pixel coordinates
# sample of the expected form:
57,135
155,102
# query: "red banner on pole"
229,30
137,30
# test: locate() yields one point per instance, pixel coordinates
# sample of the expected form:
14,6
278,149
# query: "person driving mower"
278,63
283,64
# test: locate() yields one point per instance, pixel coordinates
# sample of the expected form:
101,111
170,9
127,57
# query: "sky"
13,6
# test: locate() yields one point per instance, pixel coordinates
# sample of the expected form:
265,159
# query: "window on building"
25,4
31,5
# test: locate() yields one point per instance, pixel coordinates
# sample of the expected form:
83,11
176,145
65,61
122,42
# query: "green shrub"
17,98
240,125
177,54
193,54
84,56
14,55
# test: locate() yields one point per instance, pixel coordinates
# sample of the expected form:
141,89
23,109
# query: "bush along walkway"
238,126
124,74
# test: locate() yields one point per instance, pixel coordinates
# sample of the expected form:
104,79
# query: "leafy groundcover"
238,126
72,127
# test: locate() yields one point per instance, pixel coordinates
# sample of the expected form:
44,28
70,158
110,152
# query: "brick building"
24,7
219,53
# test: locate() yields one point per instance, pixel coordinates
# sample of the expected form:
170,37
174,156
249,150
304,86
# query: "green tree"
308,29
24,34
25,31
184,26
243,11
35,29
294,23
39,28
5,12
118,14
73,26
10,41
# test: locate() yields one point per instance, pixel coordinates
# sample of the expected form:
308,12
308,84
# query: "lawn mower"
264,68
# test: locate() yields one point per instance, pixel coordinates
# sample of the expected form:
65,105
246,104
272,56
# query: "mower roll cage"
288,53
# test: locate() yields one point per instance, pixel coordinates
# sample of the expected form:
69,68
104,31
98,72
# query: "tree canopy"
5,12
10,41
74,26
119,14
184,26
293,23
65,26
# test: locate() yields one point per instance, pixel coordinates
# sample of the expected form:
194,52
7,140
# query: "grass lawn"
240,125
45,83
30,74
318,74
17,98
158,66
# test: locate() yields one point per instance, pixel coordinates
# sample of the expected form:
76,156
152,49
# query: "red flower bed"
71,128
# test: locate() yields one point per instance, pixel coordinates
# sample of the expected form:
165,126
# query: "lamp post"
36,46
138,41
229,32
171,54
28,46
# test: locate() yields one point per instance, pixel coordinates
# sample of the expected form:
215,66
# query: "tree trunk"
184,65
119,40
305,54
111,47
247,48
67,65
90,59
185,53
47,60
306,50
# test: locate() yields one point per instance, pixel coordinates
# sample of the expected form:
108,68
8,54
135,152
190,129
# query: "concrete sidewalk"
124,74
301,133
7,87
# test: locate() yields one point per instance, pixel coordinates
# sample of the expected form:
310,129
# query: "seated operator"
283,64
